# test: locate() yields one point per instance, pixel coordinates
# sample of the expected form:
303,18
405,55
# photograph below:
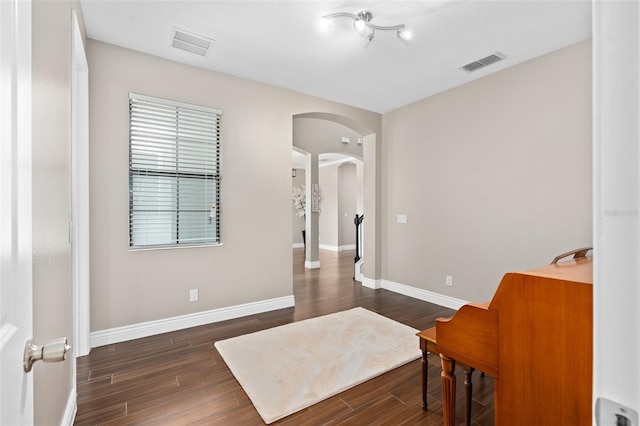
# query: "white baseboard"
426,295
327,247
371,283
136,331
312,265
337,248
70,410
416,293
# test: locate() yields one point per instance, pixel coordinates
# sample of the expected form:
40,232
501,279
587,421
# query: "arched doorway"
316,134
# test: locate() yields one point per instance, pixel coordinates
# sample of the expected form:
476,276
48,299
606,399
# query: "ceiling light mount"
365,16
362,20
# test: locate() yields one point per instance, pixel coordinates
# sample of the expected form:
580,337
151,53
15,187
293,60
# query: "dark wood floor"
179,377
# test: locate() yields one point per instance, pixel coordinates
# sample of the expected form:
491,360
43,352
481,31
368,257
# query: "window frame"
192,178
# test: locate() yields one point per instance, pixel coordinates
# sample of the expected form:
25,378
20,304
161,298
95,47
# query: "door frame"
79,231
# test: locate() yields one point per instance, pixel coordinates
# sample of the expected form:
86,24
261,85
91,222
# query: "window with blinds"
174,173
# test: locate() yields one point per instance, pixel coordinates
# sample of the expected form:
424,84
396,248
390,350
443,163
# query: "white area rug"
288,368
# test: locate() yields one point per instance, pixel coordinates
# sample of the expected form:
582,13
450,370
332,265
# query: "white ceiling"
281,42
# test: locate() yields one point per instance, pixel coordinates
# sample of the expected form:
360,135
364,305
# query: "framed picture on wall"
315,198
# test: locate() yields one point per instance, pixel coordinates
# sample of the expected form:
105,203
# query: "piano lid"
576,270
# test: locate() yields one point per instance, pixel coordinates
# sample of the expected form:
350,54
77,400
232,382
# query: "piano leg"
448,390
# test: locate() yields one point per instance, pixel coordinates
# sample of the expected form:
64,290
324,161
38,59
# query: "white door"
616,196
16,386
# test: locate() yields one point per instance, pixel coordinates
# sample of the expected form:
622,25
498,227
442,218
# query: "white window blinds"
174,173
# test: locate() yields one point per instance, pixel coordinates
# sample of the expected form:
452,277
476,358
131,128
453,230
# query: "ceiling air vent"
190,42
481,63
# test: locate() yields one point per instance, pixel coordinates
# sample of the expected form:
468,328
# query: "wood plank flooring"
179,378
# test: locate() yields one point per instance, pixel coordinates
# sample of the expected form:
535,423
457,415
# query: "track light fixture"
362,20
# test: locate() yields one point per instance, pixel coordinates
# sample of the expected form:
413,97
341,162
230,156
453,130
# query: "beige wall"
328,218
338,188
494,176
347,201
52,283
254,263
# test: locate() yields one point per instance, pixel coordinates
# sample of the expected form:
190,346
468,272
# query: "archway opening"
337,156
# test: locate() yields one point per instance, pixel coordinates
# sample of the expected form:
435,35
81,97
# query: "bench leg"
425,372
468,390
448,390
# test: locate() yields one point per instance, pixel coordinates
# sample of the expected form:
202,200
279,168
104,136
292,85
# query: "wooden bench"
427,345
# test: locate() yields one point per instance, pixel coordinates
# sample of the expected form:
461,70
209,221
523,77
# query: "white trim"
357,270
416,293
337,248
327,247
80,191
146,98
150,328
339,161
70,410
426,295
371,283
312,264
180,247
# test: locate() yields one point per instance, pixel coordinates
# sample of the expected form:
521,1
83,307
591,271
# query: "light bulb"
325,23
359,24
405,34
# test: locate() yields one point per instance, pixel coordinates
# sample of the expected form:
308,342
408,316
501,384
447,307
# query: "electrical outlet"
449,281
402,218
193,295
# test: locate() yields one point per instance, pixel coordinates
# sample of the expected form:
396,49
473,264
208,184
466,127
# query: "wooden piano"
534,338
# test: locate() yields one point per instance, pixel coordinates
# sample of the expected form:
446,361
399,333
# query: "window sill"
182,246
